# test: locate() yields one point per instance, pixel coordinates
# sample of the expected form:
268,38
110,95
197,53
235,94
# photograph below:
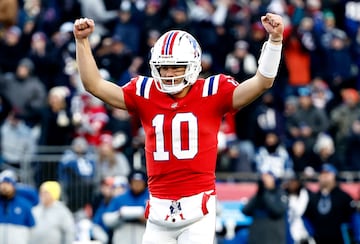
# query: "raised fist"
83,27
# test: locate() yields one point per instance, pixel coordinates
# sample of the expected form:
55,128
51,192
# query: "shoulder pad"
143,84
211,85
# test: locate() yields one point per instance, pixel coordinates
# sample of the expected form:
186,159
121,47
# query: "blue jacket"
128,199
16,220
97,219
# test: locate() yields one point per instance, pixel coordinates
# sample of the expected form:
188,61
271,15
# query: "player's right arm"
107,91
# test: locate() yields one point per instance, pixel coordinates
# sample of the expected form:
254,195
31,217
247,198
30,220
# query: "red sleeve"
226,86
129,91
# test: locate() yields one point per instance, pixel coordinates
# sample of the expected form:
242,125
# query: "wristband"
269,59
276,40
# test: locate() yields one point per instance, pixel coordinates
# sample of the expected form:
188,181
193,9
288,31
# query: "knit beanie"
53,187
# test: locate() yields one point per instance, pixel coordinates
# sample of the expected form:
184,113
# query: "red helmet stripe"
164,43
169,43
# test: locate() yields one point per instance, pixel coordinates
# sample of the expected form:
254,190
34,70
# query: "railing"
53,154
47,158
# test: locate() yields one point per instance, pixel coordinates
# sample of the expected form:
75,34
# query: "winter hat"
8,176
329,168
53,188
138,175
60,91
350,93
27,63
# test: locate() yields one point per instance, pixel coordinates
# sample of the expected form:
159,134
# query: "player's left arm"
268,66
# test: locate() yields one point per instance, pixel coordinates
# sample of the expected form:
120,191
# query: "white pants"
199,231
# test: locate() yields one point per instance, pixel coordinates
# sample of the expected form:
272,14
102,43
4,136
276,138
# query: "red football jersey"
180,133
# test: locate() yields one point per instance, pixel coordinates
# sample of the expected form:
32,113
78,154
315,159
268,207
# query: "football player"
181,115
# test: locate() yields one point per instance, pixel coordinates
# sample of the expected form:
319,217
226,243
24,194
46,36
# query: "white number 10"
180,153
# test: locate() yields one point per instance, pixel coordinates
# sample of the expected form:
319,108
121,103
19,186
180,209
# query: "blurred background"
52,130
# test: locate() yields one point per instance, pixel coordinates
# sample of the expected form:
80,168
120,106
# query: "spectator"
329,208
178,19
240,63
89,117
114,56
234,155
127,28
290,107
310,41
14,45
110,162
267,117
16,219
5,108
356,52
273,156
77,170
324,152
62,50
298,198
336,46
300,157
298,61
110,187
18,144
352,149
126,212
97,10
207,65
57,127
120,126
256,38
149,40
45,62
342,117
338,62
132,71
206,17
307,121
57,132
321,94
69,9
24,190
153,18
8,13
25,92
268,211
54,221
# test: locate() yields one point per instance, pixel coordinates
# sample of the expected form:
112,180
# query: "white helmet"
175,48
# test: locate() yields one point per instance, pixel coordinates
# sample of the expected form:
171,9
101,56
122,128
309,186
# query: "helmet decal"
195,44
169,43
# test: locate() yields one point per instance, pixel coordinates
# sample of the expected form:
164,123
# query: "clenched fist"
274,25
83,27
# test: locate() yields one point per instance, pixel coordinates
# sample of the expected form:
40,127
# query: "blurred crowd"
310,117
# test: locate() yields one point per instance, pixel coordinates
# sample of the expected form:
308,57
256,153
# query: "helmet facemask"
185,51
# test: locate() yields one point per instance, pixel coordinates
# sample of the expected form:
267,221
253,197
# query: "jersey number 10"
158,123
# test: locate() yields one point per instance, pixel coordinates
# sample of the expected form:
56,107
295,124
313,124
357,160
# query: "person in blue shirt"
16,219
126,212
77,169
109,189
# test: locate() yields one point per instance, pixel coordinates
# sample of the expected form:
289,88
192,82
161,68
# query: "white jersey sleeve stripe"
143,86
211,86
